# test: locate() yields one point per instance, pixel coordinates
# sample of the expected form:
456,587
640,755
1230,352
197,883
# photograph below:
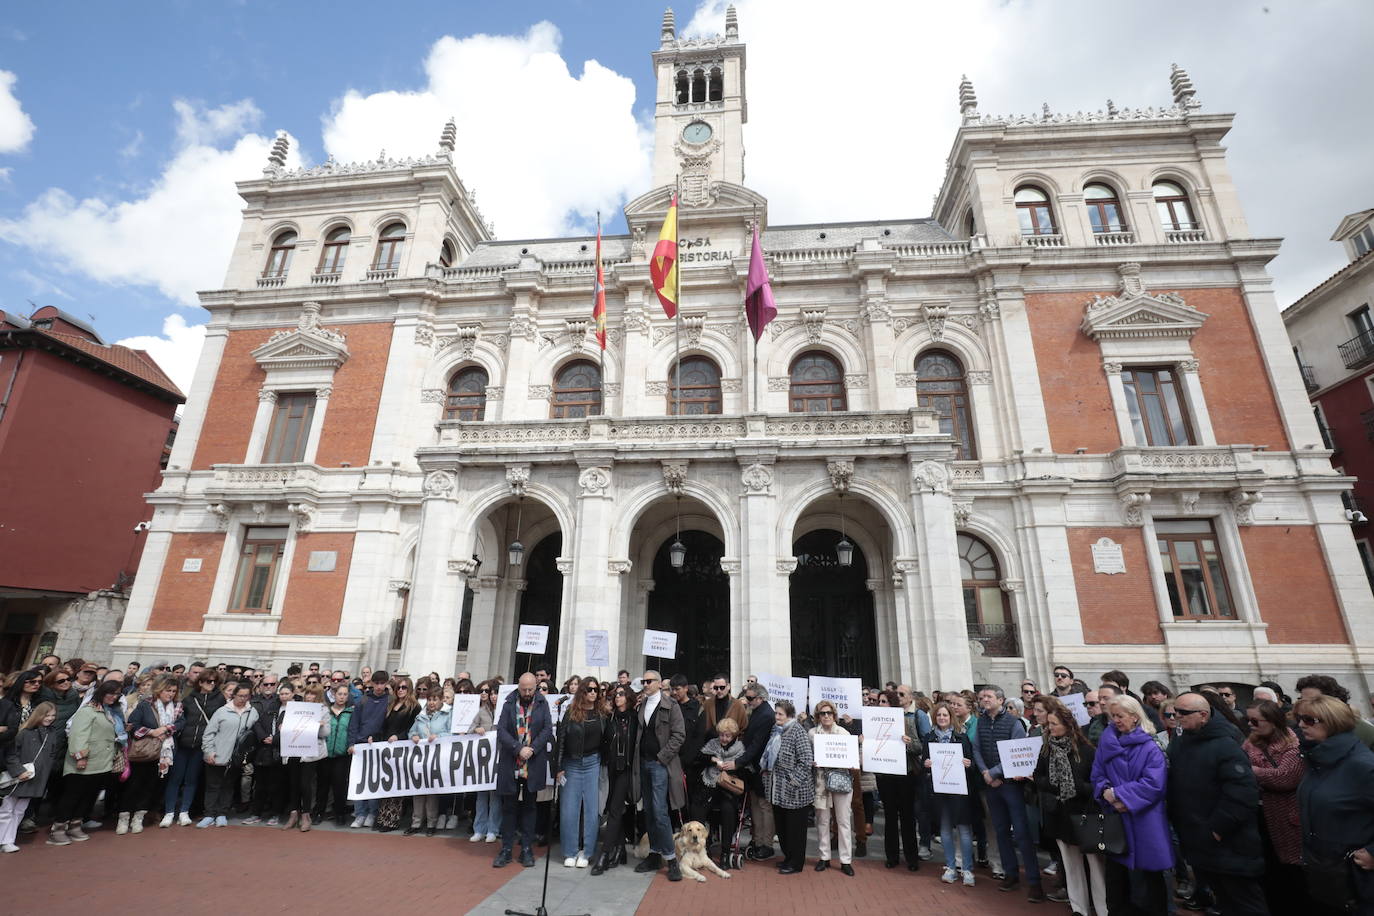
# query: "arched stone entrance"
694,603
833,628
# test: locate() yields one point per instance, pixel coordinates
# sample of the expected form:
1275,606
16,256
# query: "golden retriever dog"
690,843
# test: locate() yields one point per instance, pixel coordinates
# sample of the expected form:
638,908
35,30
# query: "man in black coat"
694,723
756,735
1214,807
524,730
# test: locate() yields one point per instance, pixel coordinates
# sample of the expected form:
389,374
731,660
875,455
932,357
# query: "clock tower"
700,111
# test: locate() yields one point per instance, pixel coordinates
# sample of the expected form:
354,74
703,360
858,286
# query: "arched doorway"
542,601
694,603
833,632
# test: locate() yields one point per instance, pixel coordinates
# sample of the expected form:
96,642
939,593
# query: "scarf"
1061,768
943,737
523,714
770,753
167,714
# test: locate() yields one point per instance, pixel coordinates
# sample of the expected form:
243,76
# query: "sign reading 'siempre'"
457,763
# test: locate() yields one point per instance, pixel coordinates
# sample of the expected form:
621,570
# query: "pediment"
720,199
1351,224
303,348
1157,315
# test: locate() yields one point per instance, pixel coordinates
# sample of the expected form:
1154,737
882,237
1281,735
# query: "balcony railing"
1309,377
383,274
279,280
1358,350
1179,236
1114,238
330,277
1044,240
999,640
1328,437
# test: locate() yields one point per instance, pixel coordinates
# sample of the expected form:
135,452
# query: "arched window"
576,391
446,255
680,85
985,604
279,258
817,384
1033,211
335,250
715,86
970,227
1174,210
700,387
942,387
698,85
1104,209
389,247
467,395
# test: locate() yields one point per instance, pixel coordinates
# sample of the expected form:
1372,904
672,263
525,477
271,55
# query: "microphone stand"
542,909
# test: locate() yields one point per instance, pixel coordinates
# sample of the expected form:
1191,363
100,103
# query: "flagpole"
754,383
677,299
596,330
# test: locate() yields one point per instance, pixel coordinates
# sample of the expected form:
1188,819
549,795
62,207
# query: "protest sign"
1074,701
1019,756
845,692
502,692
300,729
598,648
455,763
660,644
533,639
947,768
884,751
792,689
464,712
836,750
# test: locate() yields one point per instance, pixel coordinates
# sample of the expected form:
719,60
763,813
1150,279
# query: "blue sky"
120,204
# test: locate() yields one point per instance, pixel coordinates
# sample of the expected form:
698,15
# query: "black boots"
600,865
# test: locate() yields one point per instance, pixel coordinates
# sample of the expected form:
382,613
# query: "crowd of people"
1155,803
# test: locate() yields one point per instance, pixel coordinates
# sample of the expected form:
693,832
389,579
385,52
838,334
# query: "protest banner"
1074,701
845,692
1019,756
455,763
465,706
533,638
598,648
792,689
835,750
884,751
660,644
300,729
947,768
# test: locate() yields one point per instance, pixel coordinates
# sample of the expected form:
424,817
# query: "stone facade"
394,513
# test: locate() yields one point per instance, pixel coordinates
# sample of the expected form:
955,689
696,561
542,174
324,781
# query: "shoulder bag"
1100,832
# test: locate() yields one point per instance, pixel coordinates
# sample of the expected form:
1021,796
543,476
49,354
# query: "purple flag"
759,307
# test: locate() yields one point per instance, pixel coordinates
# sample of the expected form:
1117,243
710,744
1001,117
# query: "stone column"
515,384
592,591
940,587
436,598
761,637
262,422
312,439
635,401
486,599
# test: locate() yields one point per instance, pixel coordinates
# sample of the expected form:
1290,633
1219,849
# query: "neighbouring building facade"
1332,333
83,429
1056,421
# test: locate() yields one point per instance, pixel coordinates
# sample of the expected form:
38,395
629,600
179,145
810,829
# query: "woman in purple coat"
1128,775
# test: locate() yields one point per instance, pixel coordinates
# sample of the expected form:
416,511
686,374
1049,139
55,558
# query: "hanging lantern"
844,550
515,553
677,554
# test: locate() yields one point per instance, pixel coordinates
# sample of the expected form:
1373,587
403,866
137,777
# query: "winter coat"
1057,812
196,711
508,744
1133,766
93,733
1279,770
398,722
694,729
915,724
37,746
369,718
1336,805
336,742
618,741
578,739
144,719
727,708
227,726
959,808
67,703
670,732
9,721
712,751
264,727
757,733
486,719
1213,791
437,724
790,783
820,773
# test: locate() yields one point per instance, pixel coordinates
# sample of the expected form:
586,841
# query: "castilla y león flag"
759,307
599,296
663,262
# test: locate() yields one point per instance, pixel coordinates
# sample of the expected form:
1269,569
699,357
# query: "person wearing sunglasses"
578,764
1214,807
1277,763
661,785
365,727
400,716
720,704
1065,683
1336,806
486,820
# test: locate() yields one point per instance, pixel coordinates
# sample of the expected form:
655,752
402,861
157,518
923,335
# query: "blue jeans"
1007,809
653,792
366,807
182,780
488,817
947,831
581,793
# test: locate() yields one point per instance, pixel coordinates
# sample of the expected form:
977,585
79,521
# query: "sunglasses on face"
1309,721
719,687
1062,675
1186,712
1028,690
649,680
826,712
485,690
402,687
1169,715
1093,703
1254,723
269,683
1228,694
63,680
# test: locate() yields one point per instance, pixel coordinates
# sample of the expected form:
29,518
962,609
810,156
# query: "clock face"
697,132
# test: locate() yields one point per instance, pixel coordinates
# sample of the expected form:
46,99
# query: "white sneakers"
570,862
122,825
9,847
166,820
221,821
948,876
370,820
205,822
582,860
184,819
477,838
968,879
491,838
357,821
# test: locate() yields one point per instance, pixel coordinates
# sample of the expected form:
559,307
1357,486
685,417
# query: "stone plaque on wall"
191,564
1107,557
324,560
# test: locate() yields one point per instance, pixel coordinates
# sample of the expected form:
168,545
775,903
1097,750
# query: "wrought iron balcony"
1328,436
1309,377
999,640
1367,418
1358,350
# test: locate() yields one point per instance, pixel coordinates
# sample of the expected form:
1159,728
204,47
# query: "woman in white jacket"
228,726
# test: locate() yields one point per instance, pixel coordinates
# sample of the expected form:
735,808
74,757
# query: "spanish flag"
663,263
599,297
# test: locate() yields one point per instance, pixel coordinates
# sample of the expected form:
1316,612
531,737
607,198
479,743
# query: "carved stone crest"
517,478
841,471
594,481
675,476
935,316
1133,507
757,478
931,476
440,483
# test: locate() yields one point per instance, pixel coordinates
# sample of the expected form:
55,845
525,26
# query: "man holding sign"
1006,804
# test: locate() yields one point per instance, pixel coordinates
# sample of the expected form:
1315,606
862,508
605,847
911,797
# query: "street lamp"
677,554
844,550
515,553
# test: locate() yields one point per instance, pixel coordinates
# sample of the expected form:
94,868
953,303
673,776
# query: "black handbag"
1100,832
1331,883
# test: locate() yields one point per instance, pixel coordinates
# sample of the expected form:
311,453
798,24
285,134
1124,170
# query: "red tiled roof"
134,362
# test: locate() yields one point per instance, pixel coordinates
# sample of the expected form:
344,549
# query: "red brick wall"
314,600
1119,608
1078,402
1342,407
349,421
1292,584
183,597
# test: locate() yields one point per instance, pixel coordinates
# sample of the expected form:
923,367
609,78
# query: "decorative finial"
968,101
1182,84
449,138
279,149
1111,109
669,34
731,23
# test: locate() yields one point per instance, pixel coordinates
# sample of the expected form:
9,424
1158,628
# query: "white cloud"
177,237
16,128
177,350
544,148
853,110
200,126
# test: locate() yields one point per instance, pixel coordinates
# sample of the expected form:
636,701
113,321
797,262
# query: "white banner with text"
459,763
